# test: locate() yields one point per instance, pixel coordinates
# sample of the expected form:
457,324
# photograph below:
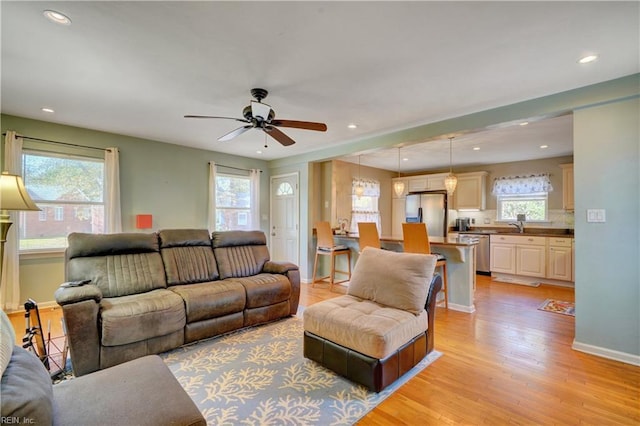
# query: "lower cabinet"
531,260
560,258
503,258
518,255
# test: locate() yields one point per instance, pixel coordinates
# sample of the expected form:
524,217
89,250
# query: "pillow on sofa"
7,341
398,280
26,389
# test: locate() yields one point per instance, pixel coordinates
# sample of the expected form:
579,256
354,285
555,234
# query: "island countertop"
454,241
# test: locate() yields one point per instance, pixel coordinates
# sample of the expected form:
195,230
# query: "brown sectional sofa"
150,293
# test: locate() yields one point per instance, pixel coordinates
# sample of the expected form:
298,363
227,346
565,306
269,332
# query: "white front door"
284,229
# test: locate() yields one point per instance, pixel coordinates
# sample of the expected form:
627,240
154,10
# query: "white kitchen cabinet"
470,193
559,258
432,182
503,257
567,186
518,255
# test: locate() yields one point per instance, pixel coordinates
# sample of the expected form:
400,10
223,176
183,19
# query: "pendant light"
398,185
359,190
450,181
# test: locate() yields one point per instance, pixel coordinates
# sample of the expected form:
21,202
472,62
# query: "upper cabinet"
470,193
567,186
427,182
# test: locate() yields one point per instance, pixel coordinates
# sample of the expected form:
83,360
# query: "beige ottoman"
383,326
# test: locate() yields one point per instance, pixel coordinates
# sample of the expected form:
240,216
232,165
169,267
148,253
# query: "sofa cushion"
119,264
211,300
362,325
7,341
26,390
139,317
187,256
398,280
240,253
265,289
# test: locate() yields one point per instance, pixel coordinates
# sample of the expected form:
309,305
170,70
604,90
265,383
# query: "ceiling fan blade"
211,116
307,125
232,134
279,136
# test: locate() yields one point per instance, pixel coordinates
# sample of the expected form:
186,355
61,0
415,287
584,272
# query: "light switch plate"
596,215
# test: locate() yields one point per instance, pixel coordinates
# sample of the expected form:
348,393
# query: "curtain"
365,208
113,213
10,285
513,185
254,175
211,213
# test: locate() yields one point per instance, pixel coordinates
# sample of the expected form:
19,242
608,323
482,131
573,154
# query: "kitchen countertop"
528,232
436,241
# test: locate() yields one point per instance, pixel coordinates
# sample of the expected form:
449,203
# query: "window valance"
371,187
530,184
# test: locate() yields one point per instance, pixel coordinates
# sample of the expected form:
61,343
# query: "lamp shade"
13,194
398,188
450,183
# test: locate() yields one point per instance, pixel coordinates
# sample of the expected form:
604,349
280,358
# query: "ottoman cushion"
364,326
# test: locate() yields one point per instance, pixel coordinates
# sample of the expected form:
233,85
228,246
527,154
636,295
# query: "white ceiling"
136,68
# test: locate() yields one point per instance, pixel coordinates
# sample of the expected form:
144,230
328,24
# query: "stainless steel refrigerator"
429,207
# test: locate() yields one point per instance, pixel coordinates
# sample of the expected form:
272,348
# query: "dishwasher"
482,253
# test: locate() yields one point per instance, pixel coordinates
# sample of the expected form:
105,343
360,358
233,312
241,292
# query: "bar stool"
368,235
327,247
416,240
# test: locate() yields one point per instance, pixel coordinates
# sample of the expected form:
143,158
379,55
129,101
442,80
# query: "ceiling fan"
260,116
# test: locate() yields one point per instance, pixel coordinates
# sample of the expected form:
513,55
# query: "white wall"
607,176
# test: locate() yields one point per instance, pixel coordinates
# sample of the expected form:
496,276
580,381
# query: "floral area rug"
559,307
258,376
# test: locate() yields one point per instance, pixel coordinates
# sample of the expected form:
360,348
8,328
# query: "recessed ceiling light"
476,148
524,123
57,17
352,126
587,59
49,110
544,146
405,159
258,152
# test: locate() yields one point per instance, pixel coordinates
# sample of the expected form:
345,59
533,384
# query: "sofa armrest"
271,267
430,307
80,308
293,274
67,295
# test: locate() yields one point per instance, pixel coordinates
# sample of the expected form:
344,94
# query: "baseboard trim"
462,308
52,304
607,353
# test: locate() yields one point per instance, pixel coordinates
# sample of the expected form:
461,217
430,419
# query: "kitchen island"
461,264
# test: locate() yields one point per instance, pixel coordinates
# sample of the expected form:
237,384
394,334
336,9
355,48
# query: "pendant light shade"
450,182
398,186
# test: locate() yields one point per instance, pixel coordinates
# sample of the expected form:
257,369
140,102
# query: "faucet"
518,225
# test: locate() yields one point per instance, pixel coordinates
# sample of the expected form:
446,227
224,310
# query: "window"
69,190
526,195
533,206
233,202
364,208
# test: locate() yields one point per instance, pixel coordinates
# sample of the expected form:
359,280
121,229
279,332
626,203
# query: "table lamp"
13,196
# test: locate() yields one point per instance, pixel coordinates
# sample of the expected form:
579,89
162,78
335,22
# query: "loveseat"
152,292
138,392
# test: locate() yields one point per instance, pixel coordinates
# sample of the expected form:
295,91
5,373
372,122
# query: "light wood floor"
508,363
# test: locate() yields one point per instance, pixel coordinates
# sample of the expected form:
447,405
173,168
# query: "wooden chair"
368,235
326,247
416,240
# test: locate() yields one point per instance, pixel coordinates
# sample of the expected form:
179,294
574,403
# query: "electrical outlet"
487,221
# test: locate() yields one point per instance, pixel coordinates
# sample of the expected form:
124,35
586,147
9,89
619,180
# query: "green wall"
165,180
607,176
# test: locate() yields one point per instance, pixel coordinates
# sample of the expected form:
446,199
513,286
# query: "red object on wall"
144,221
